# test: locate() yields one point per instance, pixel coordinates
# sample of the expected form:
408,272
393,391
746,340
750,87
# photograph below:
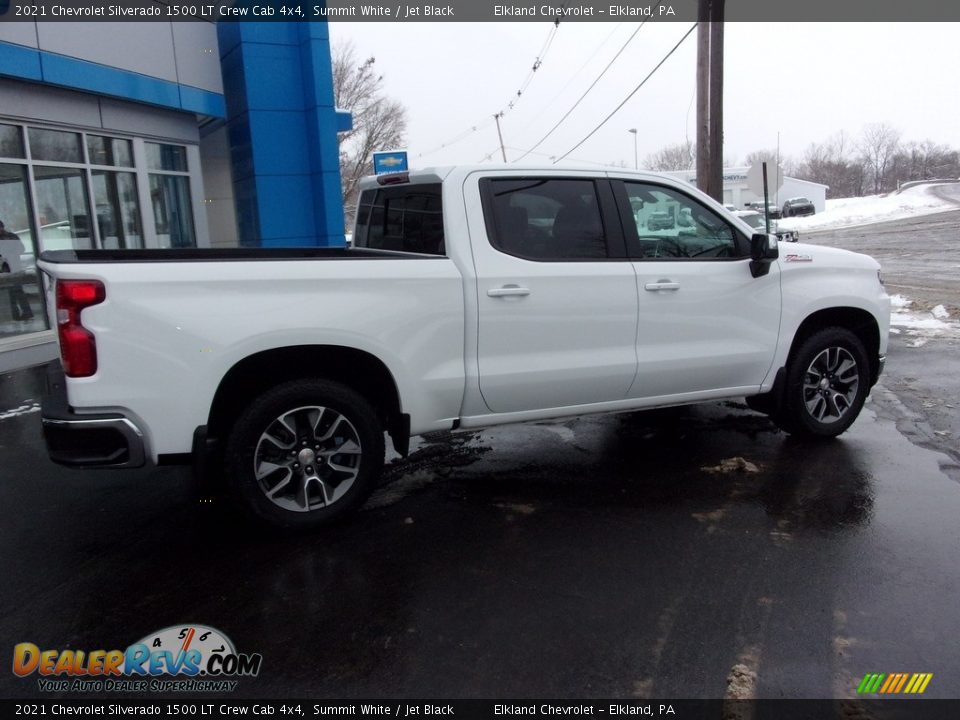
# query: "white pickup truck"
473,296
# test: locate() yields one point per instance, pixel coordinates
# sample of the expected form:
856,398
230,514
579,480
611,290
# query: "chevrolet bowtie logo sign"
894,683
390,162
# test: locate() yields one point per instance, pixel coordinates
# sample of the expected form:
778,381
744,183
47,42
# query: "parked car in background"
660,221
757,221
798,207
772,209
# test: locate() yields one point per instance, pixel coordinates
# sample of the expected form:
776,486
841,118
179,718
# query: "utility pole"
715,178
636,158
500,135
703,94
710,97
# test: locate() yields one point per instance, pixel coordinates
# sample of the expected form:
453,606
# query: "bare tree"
878,144
760,156
682,156
379,123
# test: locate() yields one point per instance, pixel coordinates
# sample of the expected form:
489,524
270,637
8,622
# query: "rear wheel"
305,453
828,378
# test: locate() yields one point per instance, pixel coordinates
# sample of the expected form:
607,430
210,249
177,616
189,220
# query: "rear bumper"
87,440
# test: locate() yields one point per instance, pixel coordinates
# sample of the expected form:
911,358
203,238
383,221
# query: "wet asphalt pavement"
600,557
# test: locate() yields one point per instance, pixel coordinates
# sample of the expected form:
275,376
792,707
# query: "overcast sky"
805,81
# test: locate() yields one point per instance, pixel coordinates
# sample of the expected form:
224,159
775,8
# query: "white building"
736,192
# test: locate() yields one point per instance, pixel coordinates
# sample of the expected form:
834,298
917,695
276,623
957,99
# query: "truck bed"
226,254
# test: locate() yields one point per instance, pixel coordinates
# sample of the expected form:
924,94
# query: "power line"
632,93
587,91
538,61
573,77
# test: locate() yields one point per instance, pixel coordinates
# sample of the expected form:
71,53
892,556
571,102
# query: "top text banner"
477,11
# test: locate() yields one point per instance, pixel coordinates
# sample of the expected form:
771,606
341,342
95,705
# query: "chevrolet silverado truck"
472,296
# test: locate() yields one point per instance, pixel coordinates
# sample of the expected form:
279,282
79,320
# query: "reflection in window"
11,143
62,208
118,214
55,145
109,151
166,157
172,210
21,302
670,224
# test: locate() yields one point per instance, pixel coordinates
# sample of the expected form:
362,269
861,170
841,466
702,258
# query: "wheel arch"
860,322
357,369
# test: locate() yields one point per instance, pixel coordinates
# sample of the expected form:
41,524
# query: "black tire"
819,398
301,504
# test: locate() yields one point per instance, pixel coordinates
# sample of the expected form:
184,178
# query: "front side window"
545,218
672,225
408,218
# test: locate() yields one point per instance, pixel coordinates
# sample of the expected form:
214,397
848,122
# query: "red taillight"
78,348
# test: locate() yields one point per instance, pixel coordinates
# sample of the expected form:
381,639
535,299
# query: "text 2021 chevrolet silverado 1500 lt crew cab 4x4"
473,296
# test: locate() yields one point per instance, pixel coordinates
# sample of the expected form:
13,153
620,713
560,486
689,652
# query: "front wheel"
828,378
305,453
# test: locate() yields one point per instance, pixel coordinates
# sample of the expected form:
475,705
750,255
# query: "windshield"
755,221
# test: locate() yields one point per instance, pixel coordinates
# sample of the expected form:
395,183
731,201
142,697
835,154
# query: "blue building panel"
47,67
282,128
21,62
274,142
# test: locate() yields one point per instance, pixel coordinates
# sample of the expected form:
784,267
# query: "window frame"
365,211
606,202
741,242
139,169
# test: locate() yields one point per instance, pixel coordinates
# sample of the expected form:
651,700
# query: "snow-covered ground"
846,212
920,325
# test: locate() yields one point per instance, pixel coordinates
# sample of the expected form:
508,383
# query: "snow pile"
847,212
920,325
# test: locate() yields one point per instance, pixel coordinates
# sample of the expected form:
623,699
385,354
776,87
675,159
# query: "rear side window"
545,218
407,218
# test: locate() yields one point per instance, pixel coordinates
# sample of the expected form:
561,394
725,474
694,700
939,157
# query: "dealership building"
737,192
158,135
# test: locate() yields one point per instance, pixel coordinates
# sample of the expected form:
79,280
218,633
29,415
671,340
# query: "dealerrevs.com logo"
180,658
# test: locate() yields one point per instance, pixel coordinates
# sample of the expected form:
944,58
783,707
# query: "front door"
705,325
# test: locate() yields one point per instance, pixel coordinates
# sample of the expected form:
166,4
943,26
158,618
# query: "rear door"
556,293
706,326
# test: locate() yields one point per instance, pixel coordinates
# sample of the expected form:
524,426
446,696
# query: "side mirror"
763,250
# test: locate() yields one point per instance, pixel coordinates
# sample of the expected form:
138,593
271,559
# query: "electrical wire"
627,98
573,77
586,92
488,119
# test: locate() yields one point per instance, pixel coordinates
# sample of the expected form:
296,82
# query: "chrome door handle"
662,285
507,291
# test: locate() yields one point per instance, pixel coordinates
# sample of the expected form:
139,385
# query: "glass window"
63,208
118,212
109,151
670,224
55,145
166,157
545,219
11,142
408,218
172,210
21,302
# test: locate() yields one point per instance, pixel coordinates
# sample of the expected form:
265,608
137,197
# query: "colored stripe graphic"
894,683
